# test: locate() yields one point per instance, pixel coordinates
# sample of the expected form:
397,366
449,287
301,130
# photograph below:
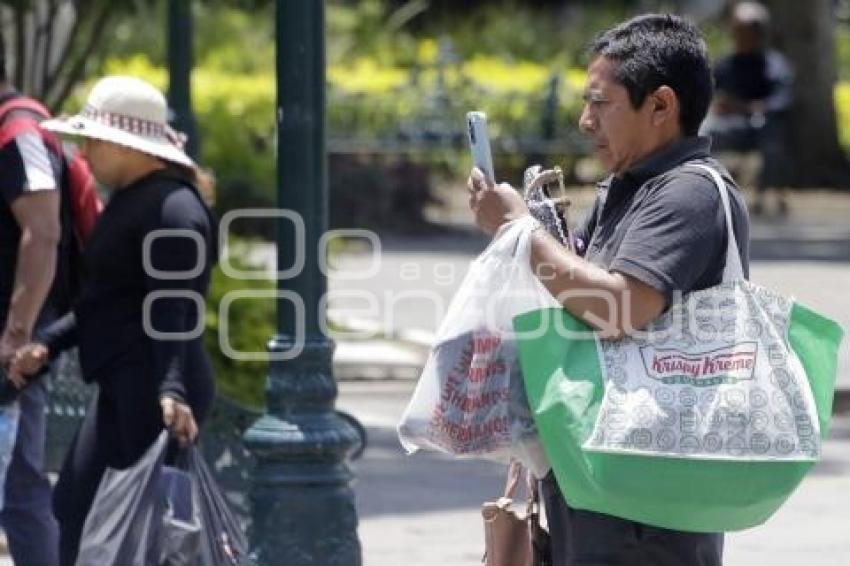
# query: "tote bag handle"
733,270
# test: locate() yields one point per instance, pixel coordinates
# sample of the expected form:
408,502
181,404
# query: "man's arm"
37,215
614,303
678,235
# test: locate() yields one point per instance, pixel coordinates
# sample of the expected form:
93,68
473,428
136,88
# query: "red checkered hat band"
131,124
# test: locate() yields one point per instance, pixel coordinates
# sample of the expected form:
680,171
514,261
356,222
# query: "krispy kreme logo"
725,365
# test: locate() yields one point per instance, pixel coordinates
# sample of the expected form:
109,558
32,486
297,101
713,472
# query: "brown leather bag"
512,538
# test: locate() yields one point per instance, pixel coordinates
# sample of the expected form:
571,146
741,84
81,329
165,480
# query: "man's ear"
665,106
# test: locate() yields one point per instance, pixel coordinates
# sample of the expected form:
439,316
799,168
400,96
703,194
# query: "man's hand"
178,418
10,342
493,205
26,361
8,345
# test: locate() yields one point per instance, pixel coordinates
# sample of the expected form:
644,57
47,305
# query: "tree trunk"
53,42
804,32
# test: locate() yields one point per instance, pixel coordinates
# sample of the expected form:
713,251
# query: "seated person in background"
752,98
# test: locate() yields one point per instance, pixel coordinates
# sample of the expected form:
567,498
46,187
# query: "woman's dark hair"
199,178
655,50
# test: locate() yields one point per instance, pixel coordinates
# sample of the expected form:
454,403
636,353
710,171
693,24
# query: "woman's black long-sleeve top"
163,218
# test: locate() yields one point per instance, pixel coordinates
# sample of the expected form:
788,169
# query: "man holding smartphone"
656,229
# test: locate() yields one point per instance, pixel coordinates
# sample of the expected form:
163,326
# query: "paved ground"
423,510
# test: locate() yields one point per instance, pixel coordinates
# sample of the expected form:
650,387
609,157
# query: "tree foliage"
805,32
51,43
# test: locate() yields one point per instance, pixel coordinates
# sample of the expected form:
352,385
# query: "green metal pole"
302,502
180,72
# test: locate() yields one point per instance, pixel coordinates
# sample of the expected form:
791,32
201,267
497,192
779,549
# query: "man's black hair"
654,50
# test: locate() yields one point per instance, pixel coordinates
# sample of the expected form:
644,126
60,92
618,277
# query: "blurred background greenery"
401,76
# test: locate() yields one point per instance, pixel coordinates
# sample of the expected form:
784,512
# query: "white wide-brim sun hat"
129,112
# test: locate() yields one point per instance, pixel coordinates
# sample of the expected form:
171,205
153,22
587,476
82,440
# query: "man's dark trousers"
585,538
27,516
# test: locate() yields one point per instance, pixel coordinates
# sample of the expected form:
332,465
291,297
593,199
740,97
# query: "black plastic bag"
180,538
151,514
125,520
223,542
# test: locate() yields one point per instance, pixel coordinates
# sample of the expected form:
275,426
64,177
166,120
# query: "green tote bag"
705,422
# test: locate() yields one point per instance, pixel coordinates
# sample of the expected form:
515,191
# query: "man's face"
621,135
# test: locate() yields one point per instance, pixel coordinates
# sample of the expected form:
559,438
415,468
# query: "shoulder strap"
23,103
733,269
9,129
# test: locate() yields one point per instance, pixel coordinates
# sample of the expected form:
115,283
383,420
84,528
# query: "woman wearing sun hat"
139,321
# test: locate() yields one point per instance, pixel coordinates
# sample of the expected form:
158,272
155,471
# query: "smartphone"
479,143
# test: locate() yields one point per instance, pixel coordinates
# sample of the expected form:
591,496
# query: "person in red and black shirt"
30,235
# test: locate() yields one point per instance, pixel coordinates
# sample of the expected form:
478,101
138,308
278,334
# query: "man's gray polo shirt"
662,222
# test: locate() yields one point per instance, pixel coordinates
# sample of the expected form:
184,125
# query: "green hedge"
250,326
366,100
235,112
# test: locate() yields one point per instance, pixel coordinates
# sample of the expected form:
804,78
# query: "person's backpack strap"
85,203
23,103
28,114
80,202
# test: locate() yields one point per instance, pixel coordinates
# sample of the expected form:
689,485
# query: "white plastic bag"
470,400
